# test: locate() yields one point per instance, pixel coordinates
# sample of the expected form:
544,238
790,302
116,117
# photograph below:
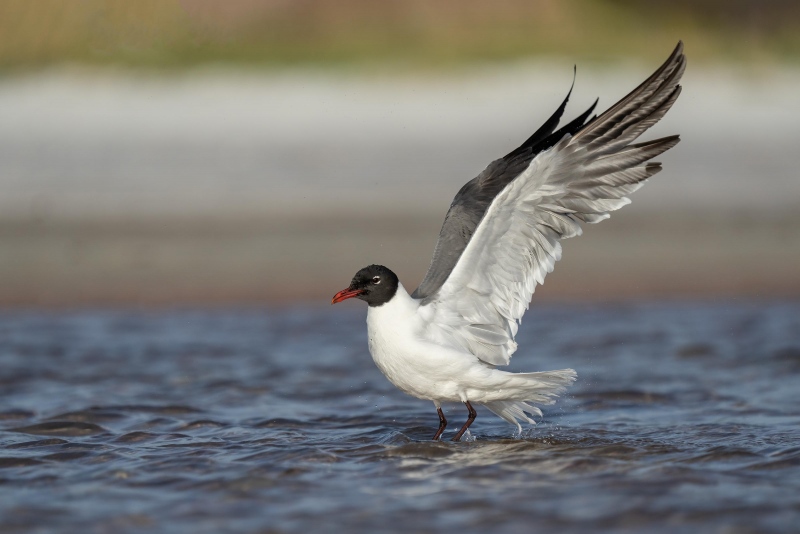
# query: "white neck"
401,304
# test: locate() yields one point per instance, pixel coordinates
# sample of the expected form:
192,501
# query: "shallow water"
684,418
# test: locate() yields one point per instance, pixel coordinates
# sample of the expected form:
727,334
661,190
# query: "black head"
375,285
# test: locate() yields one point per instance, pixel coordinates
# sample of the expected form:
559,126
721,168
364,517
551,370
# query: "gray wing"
471,202
583,177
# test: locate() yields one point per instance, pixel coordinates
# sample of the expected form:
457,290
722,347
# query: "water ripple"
683,419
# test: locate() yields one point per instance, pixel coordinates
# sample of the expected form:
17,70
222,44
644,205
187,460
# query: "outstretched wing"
473,200
477,299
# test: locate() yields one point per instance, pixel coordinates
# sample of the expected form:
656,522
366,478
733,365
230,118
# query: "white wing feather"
579,180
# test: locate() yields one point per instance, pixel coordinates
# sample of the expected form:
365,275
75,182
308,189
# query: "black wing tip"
543,138
591,109
549,126
571,128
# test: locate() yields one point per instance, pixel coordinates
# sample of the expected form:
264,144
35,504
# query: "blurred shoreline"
201,262
225,188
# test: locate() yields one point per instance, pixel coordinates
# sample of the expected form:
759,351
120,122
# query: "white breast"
415,366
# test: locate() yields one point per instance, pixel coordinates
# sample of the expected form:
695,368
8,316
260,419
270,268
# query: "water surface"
684,418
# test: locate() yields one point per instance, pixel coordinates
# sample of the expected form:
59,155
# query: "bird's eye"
376,280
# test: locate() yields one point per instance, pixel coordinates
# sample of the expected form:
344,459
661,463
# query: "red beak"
345,294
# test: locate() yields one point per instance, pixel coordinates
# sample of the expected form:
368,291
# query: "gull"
500,238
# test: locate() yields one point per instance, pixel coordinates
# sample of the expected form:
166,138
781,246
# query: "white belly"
426,369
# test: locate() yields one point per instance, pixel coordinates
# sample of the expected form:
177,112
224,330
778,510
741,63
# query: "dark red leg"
442,424
472,415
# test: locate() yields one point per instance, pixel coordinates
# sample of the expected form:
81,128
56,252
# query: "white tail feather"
521,388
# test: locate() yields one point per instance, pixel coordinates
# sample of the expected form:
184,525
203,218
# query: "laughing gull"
500,238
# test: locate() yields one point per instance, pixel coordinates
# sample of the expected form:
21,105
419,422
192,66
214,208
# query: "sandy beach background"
222,182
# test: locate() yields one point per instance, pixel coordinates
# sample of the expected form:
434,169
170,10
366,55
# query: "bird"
501,236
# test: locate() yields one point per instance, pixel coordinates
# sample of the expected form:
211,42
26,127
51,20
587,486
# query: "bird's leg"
442,424
472,415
